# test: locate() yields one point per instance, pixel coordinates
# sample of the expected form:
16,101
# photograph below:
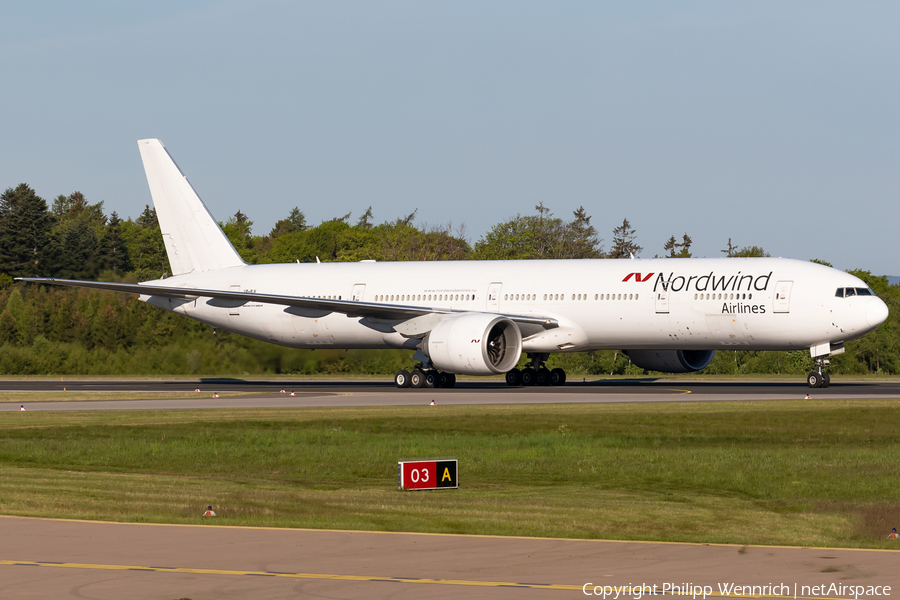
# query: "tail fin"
194,241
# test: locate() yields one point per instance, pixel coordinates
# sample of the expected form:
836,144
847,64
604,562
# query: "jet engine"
671,361
475,344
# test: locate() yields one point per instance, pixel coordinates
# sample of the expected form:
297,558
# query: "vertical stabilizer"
194,241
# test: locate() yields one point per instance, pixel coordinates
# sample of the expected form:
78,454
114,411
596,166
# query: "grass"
818,473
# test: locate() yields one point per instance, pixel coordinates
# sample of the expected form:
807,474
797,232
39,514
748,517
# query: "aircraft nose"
876,312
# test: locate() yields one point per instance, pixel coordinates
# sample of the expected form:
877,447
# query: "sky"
774,124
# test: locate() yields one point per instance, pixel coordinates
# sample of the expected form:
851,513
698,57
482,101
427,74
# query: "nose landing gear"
819,378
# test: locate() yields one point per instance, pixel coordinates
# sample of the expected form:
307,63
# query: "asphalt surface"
260,394
42,558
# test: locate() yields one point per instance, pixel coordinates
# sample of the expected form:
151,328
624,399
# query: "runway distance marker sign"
427,474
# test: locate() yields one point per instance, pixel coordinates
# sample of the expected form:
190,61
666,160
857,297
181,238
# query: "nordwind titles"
712,282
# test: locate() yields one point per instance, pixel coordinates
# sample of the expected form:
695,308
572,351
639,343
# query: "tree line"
46,330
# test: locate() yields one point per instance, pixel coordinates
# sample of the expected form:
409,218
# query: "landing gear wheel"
826,380
448,380
514,378
529,376
814,380
432,379
557,377
401,378
543,376
417,378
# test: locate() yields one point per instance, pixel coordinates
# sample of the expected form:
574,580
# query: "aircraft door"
662,302
493,297
236,309
783,296
359,291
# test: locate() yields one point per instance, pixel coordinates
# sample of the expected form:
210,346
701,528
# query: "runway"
262,394
43,558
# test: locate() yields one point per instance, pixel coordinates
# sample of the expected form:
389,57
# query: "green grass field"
793,473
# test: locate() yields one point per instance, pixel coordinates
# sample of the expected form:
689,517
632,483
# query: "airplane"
479,317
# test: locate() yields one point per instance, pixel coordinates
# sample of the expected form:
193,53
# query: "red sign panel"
427,474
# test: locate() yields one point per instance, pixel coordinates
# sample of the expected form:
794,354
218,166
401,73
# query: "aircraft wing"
372,310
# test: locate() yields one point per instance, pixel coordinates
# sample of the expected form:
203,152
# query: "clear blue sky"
772,123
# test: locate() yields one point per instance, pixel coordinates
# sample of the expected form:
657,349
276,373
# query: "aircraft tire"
514,378
557,377
432,379
401,378
529,376
448,380
542,376
814,380
826,380
417,378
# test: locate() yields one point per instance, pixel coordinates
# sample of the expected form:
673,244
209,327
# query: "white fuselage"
685,304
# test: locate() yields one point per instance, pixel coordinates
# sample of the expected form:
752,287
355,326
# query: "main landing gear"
819,378
423,377
536,373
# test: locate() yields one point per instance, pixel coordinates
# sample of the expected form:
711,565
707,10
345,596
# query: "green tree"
679,250
76,237
733,251
144,246
77,245
752,251
25,225
365,221
624,243
113,252
540,236
296,221
238,228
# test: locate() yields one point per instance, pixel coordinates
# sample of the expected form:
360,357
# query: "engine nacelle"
476,344
671,361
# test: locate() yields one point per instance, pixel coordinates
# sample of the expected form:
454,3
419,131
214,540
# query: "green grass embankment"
792,473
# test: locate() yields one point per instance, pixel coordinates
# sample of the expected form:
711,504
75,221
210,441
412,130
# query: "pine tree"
623,242
25,225
113,251
679,250
296,221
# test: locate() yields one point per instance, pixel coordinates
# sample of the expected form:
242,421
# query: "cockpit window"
847,292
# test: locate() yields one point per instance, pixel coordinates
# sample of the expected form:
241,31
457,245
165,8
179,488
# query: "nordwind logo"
711,282
637,277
